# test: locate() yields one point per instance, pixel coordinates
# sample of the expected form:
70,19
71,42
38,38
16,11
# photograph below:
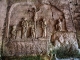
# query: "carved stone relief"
52,17
20,21
30,29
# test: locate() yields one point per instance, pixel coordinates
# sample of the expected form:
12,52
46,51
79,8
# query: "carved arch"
10,13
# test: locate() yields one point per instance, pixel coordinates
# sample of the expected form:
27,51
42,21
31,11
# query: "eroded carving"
14,32
59,39
24,22
24,27
32,24
53,17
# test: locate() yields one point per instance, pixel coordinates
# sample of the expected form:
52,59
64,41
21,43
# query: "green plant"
24,58
64,52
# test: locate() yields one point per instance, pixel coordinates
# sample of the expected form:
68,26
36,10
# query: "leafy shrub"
64,52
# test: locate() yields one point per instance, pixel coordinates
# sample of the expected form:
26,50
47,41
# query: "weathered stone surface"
31,23
3,10
52,17
23,48
60,39
76,19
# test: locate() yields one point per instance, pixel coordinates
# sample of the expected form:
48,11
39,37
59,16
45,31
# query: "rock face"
32,24
59,39
3,11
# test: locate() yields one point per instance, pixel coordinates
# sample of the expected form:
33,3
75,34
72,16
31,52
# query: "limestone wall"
29,24
3,10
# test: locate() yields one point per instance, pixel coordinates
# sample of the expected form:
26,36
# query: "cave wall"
76,19
3,11
70,8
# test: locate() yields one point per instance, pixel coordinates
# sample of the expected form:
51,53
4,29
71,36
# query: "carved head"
14,27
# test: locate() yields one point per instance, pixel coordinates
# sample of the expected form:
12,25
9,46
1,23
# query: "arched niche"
17,13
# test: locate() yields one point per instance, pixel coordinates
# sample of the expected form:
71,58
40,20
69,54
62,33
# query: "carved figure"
45,28
61,25
33,31
14,32
24,27
28,21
